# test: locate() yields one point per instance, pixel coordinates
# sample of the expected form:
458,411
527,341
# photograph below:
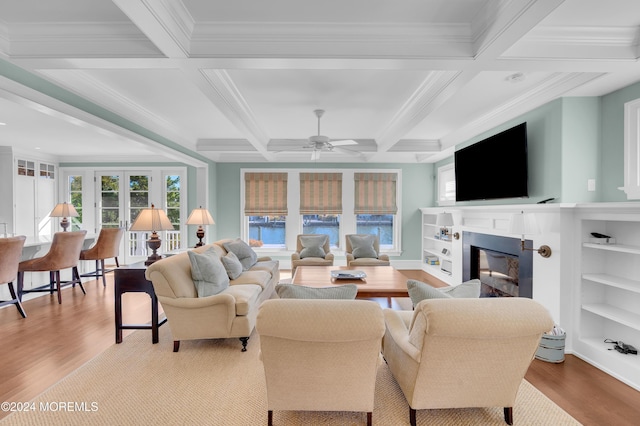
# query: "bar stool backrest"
10,253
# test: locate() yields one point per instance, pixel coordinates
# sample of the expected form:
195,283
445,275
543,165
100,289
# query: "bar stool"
107,247
10,252
63,254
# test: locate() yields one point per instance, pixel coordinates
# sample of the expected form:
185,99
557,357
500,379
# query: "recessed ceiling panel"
357,103
161,99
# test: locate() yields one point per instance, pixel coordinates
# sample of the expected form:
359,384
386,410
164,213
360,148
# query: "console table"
130,278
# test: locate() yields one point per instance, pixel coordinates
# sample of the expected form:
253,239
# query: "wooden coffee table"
381,281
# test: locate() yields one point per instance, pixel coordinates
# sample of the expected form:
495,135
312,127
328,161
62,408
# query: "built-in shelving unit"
609,293
433,245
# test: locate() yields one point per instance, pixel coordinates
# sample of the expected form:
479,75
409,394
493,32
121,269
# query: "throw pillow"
207,272
294,291
362,246
312,245
243,252
232,265
470,289
419,291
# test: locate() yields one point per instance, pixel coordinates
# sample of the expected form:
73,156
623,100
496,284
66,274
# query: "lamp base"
200,235
154,243
64,224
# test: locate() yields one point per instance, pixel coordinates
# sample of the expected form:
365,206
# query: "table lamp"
200,217
64,210
152,219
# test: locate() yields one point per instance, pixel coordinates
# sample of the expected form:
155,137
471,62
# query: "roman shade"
320,193
375,193
265,194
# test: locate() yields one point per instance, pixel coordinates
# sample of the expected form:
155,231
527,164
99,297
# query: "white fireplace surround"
591,290
551,282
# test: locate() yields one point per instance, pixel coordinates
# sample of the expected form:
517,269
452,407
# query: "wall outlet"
591,184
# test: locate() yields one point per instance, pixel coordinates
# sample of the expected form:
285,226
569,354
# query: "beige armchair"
369,246
311,250
310,363
454,353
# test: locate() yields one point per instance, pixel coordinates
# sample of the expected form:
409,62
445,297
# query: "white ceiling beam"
167,24
503,23
220,89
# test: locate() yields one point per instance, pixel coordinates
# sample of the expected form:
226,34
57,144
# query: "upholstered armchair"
454,353
319,354
311,250
364,250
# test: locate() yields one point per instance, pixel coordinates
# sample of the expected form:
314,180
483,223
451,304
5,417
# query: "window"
322,201
265,208
321,204
173,204
446,185
632,149
375,205
75,195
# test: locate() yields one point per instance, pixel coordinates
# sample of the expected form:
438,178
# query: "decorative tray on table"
342,274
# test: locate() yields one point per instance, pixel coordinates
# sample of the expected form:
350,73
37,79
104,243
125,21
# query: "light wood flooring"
54,340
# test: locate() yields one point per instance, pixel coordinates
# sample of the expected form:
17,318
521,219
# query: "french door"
121,197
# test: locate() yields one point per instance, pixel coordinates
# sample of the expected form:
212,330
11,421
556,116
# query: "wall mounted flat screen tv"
495,167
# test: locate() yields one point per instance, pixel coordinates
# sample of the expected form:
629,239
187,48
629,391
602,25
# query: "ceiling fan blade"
315,155
346,151
344,142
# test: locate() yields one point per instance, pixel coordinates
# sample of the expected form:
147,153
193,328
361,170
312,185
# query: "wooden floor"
54,340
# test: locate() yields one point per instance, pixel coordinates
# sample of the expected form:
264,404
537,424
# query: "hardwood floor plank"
54,340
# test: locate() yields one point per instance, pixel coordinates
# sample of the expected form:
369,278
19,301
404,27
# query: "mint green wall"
580,148
612,142
417,191
544,126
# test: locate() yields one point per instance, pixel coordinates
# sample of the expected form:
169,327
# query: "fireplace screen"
498,273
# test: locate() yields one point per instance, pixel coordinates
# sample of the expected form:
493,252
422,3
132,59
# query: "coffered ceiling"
239,80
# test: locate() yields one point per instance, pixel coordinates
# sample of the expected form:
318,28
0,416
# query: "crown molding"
84,39
416,145
229,145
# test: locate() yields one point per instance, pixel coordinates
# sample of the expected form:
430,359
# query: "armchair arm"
264,259
398,330
328,256
295,255
384,257
349,257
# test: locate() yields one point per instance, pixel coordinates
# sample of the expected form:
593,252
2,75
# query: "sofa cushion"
270,266
232,265
295,291
260,278
208,273
245,254
246,296
419,291
362,246
312,245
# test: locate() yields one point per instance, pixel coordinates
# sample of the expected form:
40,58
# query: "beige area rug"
213,383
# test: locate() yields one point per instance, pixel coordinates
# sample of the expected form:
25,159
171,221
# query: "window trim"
348,218
443,179
632,150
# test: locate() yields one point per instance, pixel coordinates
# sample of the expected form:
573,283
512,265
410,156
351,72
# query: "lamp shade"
444,219
64,210
523,224
151,219
200,216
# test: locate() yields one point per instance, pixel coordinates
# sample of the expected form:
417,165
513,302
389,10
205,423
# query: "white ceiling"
239,80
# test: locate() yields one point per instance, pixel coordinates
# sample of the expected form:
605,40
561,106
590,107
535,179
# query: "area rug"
212,382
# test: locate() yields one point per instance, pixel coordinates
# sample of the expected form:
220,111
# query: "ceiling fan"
319,143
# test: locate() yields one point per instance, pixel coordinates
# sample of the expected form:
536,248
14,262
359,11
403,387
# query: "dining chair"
10,252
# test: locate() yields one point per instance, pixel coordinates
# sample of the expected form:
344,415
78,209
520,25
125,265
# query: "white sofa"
231,313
